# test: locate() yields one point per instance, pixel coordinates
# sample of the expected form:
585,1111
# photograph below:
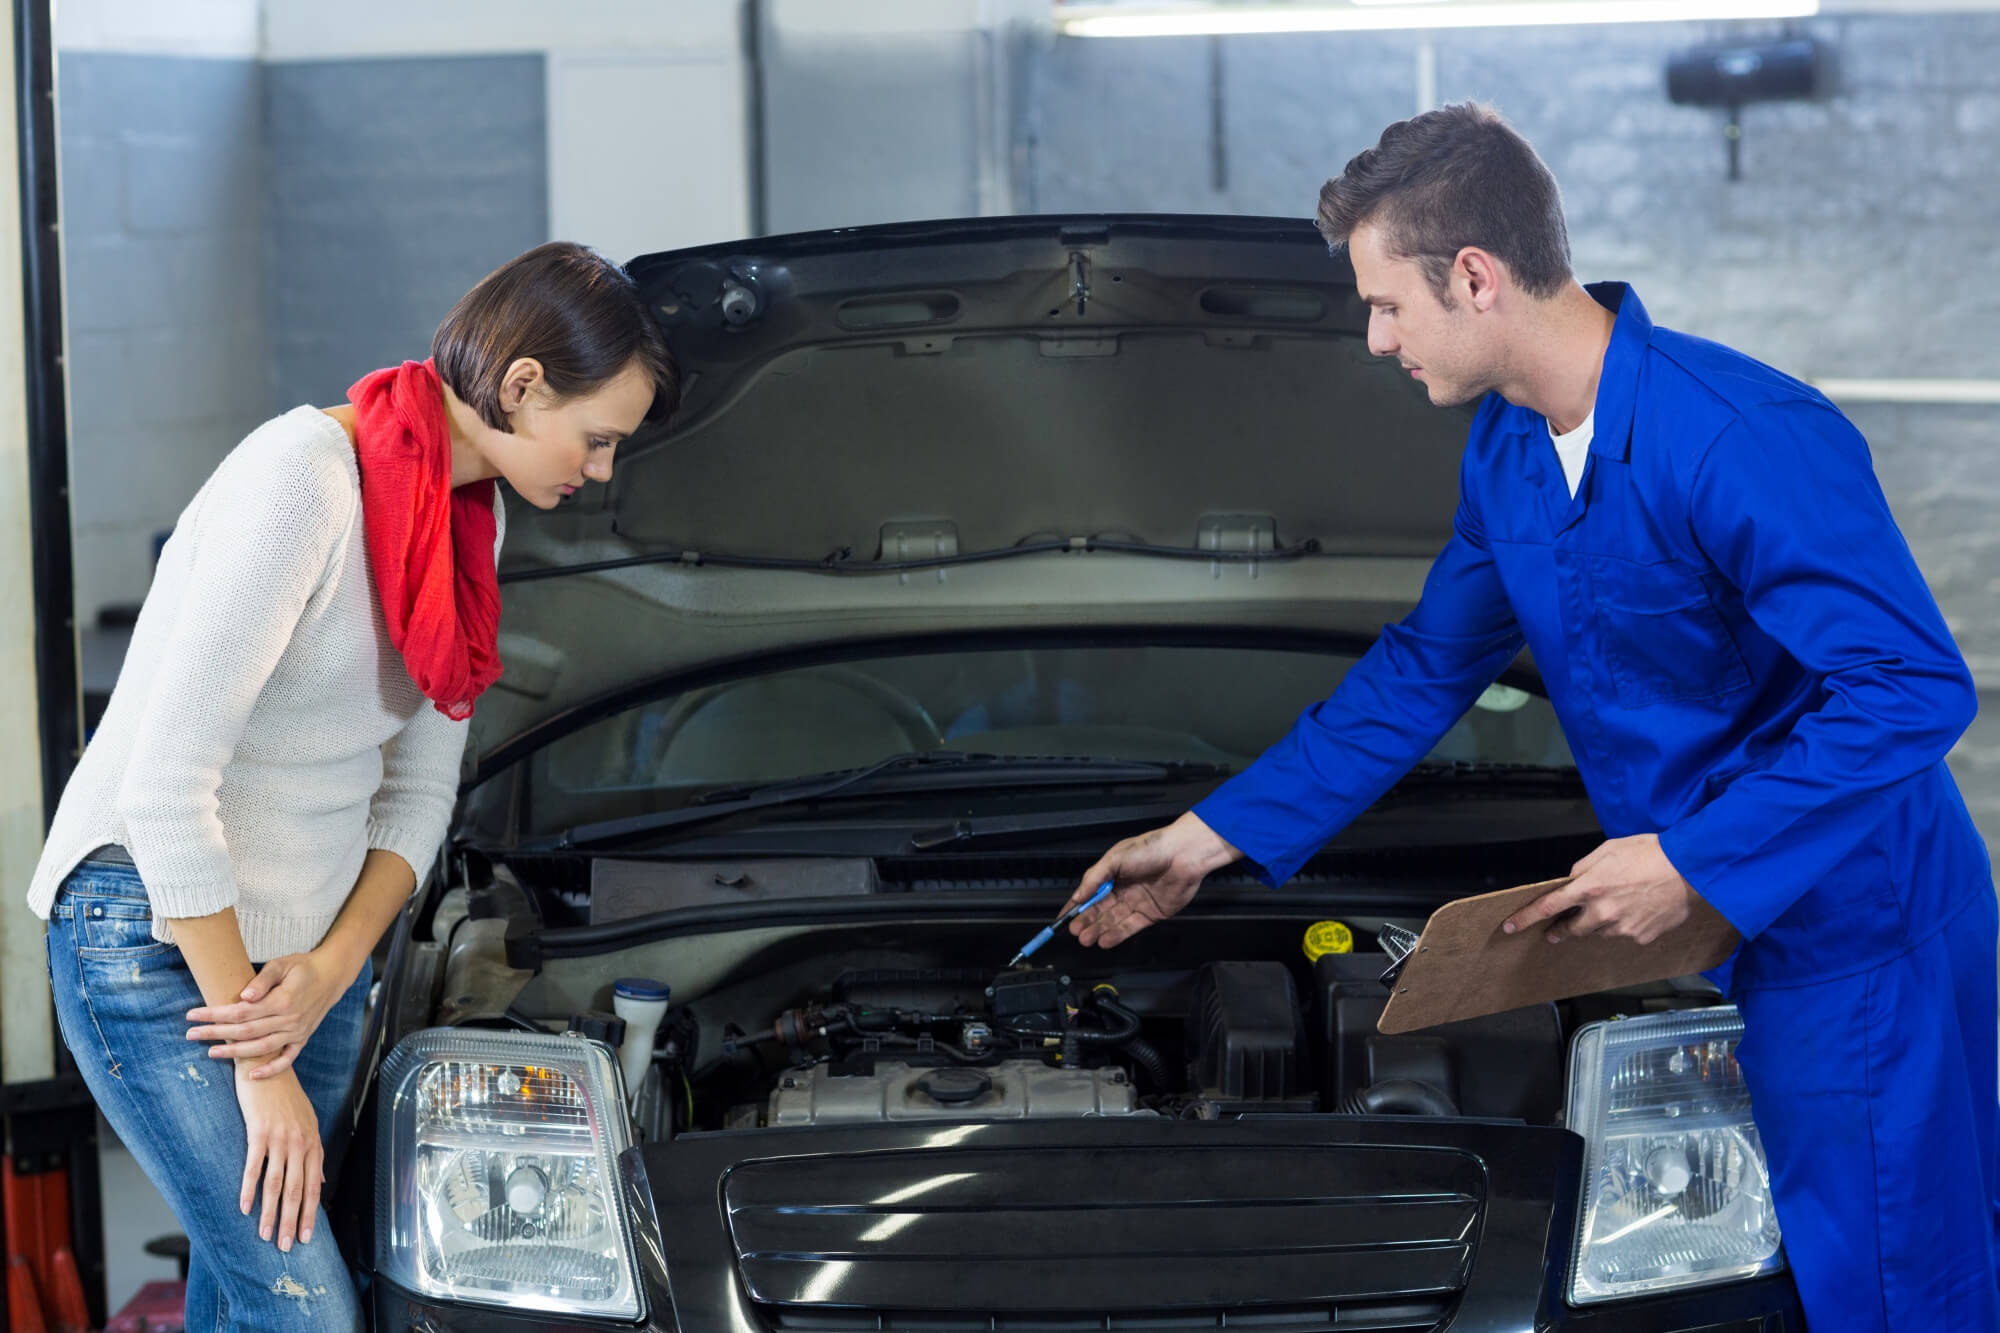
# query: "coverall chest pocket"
1660,635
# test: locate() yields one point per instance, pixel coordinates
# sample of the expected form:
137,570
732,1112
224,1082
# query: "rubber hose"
902,1041
1399,1096
1125,1026
1147,1056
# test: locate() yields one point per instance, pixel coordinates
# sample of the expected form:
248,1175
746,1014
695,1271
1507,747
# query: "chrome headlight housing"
497,1175
1676,1190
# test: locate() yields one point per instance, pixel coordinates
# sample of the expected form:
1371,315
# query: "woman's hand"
285,1154
279,1010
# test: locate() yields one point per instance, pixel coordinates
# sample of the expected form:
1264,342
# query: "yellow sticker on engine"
1325,937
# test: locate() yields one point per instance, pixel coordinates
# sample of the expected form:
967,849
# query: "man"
1755,680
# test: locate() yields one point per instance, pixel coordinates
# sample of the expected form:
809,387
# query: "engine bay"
760,1027
1221,1039
1028,1043
1227,1038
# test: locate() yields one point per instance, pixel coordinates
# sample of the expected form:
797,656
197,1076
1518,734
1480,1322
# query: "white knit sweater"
264,733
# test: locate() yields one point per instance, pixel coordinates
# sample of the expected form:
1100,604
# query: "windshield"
1157,704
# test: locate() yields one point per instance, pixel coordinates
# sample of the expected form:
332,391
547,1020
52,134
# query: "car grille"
1341,1237
1398,1317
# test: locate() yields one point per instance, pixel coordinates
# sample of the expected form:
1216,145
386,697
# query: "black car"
977,546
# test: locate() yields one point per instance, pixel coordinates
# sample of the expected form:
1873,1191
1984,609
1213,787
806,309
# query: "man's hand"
280,1009
1626,887
1157,874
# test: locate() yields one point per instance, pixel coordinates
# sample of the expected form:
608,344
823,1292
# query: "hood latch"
1079,279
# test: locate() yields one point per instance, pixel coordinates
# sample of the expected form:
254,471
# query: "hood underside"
1030,423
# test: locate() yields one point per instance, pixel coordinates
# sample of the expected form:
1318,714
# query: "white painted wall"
357,29
648,150
875,18
230,28
317,30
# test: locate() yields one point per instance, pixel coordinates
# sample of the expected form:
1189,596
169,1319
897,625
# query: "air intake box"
1507,1066
1246,1033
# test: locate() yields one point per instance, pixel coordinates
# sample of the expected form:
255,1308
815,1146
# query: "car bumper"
705,1267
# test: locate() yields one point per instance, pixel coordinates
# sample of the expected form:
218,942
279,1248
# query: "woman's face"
559,444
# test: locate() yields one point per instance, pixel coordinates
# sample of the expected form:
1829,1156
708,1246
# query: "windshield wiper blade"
962,833
941,768
918,770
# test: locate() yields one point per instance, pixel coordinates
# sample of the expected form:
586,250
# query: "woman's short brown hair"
569,308
1451,178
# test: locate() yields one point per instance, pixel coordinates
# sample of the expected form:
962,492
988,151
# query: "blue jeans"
121,1001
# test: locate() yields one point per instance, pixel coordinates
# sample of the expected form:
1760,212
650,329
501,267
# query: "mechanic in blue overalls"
1757,684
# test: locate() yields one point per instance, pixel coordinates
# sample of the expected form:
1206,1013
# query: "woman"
278,762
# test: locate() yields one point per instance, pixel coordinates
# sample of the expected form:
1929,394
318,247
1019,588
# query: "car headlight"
1676,1191
497,1178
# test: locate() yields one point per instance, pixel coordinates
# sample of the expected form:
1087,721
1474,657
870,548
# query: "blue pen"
1049,931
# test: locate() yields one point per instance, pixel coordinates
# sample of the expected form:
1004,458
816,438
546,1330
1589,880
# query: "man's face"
1436,344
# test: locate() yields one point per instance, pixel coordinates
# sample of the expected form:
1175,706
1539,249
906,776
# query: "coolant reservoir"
642,1003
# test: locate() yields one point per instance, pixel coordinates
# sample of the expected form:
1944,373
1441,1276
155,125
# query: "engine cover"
1010,1090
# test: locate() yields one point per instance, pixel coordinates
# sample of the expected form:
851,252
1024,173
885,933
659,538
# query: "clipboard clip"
1399,944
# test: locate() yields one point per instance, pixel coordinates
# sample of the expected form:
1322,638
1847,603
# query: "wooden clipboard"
1464,967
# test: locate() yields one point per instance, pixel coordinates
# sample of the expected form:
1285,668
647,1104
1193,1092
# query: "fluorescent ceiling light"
1192,20
1910,391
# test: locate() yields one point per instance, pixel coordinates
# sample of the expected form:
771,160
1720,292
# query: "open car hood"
1086,404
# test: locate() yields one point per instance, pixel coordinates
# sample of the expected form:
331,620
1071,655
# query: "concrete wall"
874,124
645,101
1843,251
1851,248
1941,468
265,199
890,110
162,183
163,189
395,185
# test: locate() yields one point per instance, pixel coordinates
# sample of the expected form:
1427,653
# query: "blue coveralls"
1747,662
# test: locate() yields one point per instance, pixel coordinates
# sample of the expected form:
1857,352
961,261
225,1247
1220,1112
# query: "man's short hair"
1456,177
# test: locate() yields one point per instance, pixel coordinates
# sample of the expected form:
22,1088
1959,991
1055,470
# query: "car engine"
1029,1043
893,1090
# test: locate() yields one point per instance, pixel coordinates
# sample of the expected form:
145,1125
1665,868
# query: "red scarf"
431,547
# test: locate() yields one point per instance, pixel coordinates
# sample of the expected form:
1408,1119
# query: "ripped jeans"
121,1000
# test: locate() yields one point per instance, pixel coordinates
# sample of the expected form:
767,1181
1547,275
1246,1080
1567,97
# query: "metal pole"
51,1124
755,37
1218,123
58,687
